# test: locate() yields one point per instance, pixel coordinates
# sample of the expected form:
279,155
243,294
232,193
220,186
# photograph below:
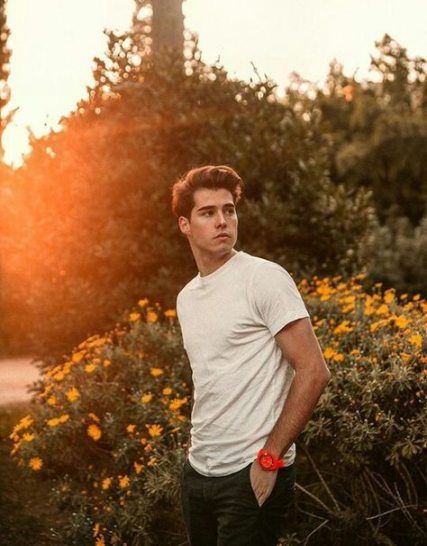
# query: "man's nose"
221,219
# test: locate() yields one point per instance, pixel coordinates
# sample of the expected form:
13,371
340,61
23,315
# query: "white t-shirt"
241,380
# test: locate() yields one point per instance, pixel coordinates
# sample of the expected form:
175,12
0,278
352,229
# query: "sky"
54,42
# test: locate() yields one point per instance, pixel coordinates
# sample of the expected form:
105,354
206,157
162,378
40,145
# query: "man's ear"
184,225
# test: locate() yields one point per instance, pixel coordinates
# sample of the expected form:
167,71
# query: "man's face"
213,213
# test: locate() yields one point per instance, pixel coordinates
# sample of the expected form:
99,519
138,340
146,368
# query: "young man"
257,368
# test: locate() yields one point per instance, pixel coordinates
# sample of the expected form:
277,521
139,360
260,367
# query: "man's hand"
262,481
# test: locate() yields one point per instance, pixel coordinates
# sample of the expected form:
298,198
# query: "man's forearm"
303,396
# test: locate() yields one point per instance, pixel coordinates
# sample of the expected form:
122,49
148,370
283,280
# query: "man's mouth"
222,235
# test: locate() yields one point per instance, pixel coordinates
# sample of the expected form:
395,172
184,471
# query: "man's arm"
301,349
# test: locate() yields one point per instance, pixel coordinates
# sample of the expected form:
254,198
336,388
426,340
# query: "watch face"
266,461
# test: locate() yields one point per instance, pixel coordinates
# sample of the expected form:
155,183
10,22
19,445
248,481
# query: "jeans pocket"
248,483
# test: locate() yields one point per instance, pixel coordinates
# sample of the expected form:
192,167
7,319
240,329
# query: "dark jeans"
224,511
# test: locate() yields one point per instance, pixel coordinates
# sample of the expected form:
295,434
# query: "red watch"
268,461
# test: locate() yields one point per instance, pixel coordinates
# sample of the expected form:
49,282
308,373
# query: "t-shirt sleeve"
276,298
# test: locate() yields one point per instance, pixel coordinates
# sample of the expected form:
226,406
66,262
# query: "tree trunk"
167,26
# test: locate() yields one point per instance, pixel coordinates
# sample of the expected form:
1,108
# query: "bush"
396,254
109,429
111,422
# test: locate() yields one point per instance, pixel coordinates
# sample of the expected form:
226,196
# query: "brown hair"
212,177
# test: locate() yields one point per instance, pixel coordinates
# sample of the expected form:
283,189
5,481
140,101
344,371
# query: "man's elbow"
321,374
326,375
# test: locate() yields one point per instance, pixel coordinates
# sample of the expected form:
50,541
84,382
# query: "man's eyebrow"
209,207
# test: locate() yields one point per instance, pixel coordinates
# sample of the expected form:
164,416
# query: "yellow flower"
382,310
94,432
59,376
177,403
35,463
106,483
93,416
325,293
107,363
170,313
401,321
167,391
138,467
89,368
124,482
156,371
131,428
154,430
145,398
328,352
416,339
338,357
343,328
73,394
151,316
143,303
28,437
77,357
389,297
100,541
24,423
55,421
133,317
52,401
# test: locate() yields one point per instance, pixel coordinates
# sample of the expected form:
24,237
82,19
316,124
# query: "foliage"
95,230
27,514
4,72
111,422
113,419
6,193
379,130
397,254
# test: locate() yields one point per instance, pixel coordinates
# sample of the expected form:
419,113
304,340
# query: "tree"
379,130
4,73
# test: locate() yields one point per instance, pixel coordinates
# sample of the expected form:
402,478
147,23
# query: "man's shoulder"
262,265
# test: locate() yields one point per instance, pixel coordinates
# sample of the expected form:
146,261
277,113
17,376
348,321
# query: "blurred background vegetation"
335,183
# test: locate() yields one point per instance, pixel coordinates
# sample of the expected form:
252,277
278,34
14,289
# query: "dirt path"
16,375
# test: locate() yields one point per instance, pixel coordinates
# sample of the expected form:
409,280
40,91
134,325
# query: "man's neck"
208,264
